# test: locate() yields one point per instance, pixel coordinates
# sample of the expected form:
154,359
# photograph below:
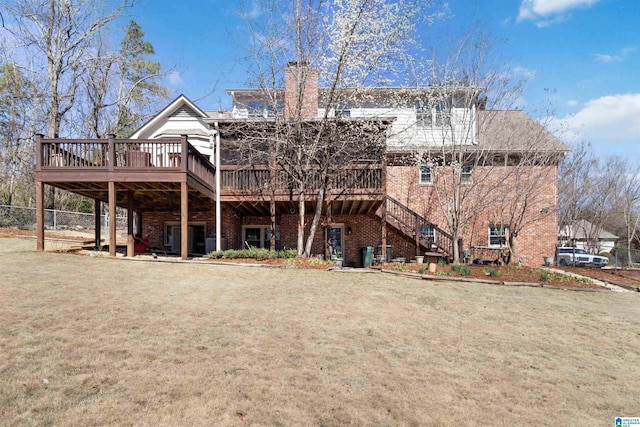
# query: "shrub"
491,272
546,277
422,270
253,253
400,267
456,268
465,271
441,273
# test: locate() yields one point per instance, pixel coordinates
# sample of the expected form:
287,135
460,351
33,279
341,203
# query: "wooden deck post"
112,218
111,152
383,230
130,239
184,220
39,216
97,207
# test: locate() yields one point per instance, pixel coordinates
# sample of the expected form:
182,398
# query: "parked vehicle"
579,258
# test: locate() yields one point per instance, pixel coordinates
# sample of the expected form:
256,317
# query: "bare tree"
60,36
476,145
345,46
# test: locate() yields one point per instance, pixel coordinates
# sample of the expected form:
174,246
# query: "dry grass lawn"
148,343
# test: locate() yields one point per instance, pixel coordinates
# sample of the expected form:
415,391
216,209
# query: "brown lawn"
150,343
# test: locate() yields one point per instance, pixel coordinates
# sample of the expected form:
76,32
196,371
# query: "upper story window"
343,111
426,174
260,109
433,114
255,109
498,236
276,109
466,177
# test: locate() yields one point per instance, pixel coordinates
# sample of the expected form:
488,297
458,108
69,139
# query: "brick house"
440,149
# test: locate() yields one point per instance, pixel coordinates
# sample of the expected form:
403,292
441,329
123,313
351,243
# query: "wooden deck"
169,174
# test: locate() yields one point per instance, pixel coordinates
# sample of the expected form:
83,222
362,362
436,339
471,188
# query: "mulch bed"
509,274
513,274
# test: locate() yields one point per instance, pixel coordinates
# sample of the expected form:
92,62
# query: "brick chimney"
300,89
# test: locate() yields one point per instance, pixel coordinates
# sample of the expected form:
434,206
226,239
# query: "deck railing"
413,224
174,154
258,178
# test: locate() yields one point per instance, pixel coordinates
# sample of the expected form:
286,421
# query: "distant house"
165,174
588,236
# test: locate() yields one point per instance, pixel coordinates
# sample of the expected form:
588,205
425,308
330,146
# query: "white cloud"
572,103
610,119
541,10
174,79
620,56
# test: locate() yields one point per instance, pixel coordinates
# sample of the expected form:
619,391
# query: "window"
442,114
466,177
258,236
423,114
498,236
433,115
275,110
428,233
255,109
426,175
343,111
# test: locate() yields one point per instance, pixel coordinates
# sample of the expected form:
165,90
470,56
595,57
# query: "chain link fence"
56,220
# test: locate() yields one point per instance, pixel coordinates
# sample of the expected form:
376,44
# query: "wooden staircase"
427,236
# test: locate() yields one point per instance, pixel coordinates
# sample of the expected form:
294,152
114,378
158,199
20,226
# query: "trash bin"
388,254
367,256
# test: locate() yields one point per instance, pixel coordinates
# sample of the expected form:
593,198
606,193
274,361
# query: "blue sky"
582,57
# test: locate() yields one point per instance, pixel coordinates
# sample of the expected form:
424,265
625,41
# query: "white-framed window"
428,233
433,114
258,236
466,176
498,235
260,109
426,174
343,110
255,109
276,109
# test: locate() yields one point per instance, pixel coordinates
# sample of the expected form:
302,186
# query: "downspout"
216,154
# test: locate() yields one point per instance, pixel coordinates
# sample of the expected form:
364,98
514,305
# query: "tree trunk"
456,247
314,224
300,244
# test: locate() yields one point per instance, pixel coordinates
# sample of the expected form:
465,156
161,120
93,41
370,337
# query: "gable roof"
179,107
515,130
583,229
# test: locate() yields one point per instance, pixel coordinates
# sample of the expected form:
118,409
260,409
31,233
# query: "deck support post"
383,231
385,202
184,220
39,216
130,239
112,218
97,207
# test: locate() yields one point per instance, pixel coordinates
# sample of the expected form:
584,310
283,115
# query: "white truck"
579,258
